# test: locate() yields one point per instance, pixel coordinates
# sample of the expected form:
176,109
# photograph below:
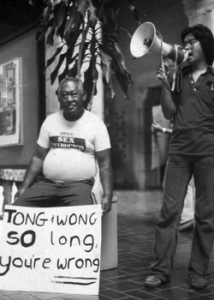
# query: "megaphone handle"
162,55
163,67
175,67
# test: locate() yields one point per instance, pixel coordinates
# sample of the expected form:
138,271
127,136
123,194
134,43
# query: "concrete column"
200,11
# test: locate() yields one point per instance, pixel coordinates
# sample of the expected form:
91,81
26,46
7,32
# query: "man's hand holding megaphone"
163,73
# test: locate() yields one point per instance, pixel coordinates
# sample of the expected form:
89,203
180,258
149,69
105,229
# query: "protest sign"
51,249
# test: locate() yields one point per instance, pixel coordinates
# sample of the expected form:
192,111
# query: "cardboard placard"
51,249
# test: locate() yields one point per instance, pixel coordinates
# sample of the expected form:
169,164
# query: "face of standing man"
71,100
196,54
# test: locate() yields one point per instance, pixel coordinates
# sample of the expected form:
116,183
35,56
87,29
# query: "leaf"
109,86
46,15
118,65
61,19
106,65
50,37
43,23
73,71
125,81
85,46
63,74
82,7
56,70
71,59
90,79
51,60
121,60
93,44
60,15
72,28
92,13
135,12
87,6
112,49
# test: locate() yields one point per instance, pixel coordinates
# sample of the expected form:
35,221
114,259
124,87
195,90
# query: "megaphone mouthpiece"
178,54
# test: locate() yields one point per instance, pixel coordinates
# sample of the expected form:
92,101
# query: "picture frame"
10,103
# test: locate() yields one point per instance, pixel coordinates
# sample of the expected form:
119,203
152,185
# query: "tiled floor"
137,214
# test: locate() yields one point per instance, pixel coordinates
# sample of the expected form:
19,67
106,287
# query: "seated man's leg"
40,194
7,191
76,193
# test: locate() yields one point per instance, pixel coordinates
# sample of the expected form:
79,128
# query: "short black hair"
204,35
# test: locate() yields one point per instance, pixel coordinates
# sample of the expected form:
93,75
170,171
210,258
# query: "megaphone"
147,39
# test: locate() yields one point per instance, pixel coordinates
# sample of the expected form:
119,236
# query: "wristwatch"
164,130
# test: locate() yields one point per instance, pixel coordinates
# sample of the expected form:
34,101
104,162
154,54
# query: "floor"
137,213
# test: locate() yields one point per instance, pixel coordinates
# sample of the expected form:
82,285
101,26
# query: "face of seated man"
72,100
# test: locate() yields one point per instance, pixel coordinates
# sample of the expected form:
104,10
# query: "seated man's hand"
18,193
106,204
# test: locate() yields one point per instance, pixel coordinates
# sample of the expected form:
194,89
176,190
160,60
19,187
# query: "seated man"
62,169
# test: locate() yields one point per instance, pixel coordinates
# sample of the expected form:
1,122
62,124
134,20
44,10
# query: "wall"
200,11
25,47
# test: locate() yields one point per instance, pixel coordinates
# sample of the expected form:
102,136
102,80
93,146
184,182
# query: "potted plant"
88,29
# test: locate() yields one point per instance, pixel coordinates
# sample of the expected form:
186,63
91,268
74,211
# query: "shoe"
152,282
198,282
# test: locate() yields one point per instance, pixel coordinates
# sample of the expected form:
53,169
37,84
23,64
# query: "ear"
84,96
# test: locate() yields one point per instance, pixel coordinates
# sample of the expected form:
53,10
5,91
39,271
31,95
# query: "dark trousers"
179,171
45,193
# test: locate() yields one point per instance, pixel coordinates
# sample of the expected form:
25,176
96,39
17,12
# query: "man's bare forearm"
34,169
167,103
106,178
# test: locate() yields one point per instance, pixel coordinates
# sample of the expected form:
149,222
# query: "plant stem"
84,34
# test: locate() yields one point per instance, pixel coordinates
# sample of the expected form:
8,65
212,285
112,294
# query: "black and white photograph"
107,149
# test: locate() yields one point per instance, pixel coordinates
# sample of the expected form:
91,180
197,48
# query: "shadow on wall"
120,143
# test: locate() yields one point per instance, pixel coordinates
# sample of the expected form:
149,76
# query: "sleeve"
43,139
102,140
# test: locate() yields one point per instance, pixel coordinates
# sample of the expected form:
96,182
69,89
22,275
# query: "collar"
210,69
185,67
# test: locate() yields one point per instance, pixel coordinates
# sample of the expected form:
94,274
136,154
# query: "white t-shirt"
72,146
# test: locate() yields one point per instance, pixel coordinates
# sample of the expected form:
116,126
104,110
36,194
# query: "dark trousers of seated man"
46,193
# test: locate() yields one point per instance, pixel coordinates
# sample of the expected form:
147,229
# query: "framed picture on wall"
10,102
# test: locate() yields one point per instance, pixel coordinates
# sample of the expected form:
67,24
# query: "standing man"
191,153
62,169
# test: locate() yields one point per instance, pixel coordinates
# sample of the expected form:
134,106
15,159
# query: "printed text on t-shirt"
67,142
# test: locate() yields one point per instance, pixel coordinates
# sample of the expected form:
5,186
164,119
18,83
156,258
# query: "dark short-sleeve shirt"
193,124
